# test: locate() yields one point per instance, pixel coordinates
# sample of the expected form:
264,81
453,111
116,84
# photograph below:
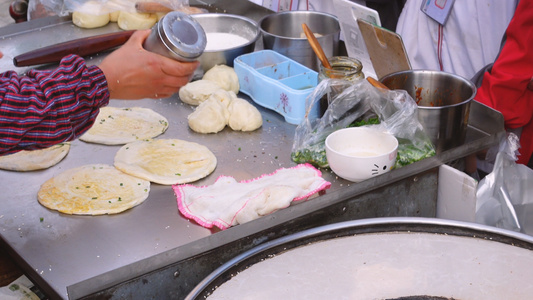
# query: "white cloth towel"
227,202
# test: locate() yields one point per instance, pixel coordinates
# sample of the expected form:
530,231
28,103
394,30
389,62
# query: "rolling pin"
151,7
156,7
82,47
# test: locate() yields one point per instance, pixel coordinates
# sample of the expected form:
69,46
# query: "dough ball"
224,98
211,116
244,116
89,20
224,76
160,15
113,17
198,91
136,21
114,7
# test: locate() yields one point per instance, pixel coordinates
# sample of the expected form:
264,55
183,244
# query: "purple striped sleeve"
43,108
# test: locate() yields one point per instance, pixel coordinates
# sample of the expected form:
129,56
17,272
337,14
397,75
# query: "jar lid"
182,34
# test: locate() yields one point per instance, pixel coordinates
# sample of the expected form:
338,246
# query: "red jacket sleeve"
43,108
504,88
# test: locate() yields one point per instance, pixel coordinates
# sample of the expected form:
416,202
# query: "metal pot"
384,258
283,33
443,103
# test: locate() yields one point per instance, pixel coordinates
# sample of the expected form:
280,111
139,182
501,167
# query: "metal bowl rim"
231,16
297,12
418,71
347,225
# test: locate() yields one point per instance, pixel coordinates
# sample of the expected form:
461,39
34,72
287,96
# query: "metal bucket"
283,33
443,103
384,258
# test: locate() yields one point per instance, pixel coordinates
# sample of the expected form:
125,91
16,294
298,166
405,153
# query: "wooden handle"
82,47
316,46
376,83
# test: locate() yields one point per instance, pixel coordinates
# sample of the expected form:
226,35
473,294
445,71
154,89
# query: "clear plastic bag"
42,8
504,198
360,104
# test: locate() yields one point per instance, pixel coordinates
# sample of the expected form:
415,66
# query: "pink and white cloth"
227,202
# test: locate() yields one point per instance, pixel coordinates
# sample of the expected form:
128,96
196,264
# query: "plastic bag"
42,8
505,196
360,104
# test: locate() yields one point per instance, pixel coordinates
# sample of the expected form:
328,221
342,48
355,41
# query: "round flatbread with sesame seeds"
119,126
166,161
95,189
32,160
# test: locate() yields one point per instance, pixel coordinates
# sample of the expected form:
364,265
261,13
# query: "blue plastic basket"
276,82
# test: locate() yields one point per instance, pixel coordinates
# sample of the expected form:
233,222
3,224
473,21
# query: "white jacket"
468,41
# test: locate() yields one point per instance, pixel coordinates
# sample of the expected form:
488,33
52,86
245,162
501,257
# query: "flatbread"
96,189
32,160
119,126
166,161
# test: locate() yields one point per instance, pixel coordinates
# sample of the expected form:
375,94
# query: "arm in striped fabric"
43,108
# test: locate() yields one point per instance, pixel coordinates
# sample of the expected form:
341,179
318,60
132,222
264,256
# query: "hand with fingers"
135,73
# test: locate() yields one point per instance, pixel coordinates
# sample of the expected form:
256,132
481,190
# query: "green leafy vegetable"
409,153
370,121
315,157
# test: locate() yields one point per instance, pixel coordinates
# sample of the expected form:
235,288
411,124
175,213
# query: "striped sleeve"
43,108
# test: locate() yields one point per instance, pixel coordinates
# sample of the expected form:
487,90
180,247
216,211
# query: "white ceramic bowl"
359,153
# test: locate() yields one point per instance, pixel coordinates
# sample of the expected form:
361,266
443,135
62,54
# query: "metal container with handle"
443,103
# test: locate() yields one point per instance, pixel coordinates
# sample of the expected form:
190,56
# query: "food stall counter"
72,256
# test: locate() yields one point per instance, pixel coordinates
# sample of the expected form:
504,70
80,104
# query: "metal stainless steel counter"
151,250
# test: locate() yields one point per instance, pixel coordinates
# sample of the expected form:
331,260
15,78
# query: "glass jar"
342,67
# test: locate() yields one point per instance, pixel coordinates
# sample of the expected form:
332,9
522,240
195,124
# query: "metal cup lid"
182,34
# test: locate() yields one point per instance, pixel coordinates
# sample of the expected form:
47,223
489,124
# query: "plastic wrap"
41,8
504,198
360,104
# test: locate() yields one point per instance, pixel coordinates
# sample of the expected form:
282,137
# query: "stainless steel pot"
384,258
443,103
283,33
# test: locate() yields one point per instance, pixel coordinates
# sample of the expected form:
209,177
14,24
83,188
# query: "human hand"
135,73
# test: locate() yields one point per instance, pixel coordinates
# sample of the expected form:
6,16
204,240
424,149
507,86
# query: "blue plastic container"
276,82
